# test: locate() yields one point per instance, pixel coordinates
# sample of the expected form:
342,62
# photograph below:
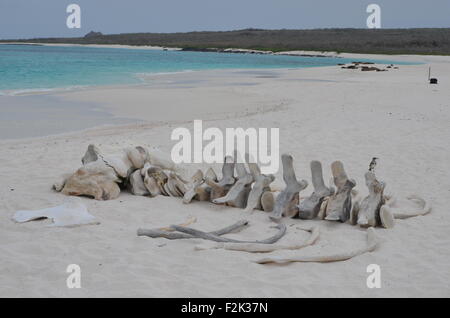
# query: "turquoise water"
33,67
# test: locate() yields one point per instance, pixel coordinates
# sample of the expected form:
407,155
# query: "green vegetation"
385,41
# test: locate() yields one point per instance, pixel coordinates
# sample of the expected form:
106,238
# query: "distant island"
370,41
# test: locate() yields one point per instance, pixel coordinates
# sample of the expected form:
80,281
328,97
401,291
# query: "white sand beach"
324,114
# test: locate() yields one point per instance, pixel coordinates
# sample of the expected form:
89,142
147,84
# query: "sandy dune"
324,114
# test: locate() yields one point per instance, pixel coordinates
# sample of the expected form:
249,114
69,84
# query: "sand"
323,114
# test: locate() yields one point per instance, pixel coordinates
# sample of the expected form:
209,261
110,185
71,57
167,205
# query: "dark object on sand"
432,80
371,68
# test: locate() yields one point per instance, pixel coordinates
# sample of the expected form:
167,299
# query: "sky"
47,18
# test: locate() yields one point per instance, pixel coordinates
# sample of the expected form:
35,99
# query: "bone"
136,184
309,207
204,190
95,179
154,180
69,214
393,209
267,201
91,154
340,203
216,238
170,235
264,248
371,245
189,221
260,196
238,193
138,156
356,204
285,203
220,188
59,185
369,210
192,187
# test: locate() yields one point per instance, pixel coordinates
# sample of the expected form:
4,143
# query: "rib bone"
371,245
217,238
170,235
264,248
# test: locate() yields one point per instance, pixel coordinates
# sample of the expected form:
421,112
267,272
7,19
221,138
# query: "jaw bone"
369,210
287,200
340,203
309,207
220,188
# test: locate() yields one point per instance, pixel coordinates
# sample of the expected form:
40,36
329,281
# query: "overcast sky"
47,18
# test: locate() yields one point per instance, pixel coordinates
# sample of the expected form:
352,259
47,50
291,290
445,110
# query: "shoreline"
304,53
323,113
165,81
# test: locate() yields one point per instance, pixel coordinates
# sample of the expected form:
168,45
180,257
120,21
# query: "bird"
373,163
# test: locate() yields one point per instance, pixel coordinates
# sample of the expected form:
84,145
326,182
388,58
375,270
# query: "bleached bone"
220,188
69,214
59,185
369,210
264,248
393,210
175,185
238,193
161,159
121,163
91,154
170,235
260,196
192,186
138,156
287,200
340,203
204,190
136,184
216,238
94,179
356,204
267,201
260,188
190,221
154,180
309,207
371,245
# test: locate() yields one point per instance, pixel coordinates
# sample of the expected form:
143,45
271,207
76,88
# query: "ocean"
28,68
